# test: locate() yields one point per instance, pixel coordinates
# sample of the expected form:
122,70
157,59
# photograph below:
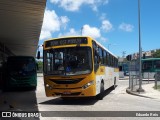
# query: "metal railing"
147,78
157,80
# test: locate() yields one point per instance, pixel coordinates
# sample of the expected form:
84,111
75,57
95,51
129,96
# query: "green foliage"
40,66
156,54
158,87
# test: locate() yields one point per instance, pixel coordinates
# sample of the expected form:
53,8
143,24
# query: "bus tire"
6,88
34,88
114,86
101,94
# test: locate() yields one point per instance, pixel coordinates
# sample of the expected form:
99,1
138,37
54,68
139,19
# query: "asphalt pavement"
114,100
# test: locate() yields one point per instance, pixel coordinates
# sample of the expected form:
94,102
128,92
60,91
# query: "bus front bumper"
71,92
23,82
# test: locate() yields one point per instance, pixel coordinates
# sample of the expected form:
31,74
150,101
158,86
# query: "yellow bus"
78,67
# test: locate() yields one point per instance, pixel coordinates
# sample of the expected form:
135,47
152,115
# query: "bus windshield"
68,61
21,66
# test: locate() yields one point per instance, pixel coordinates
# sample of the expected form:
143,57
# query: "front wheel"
101,94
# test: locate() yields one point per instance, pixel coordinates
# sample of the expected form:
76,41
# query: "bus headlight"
88,84
49,87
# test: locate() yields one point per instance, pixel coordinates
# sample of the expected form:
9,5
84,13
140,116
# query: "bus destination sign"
66,41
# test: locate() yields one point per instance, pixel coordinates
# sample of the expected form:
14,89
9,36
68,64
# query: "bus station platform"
149,91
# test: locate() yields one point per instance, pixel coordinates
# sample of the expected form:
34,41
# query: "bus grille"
66,81
76,93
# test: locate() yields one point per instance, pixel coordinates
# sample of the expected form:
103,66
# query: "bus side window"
147,65
105,57
96,57
157,64
101,55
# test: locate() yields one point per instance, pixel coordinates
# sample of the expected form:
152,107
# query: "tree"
156,54
40,66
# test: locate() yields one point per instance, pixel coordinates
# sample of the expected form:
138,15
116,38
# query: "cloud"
87,30
45,34
64,21
103,16
74,5
104,39
106,26
52,23
91,31
105,2
72,32
126,27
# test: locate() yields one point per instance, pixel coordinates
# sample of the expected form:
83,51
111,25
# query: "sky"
114,23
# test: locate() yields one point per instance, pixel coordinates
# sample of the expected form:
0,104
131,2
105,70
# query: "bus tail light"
88,84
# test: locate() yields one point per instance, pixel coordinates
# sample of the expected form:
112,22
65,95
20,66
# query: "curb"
123,79
39,75
133,93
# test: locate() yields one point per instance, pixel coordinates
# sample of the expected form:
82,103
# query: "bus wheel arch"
101,94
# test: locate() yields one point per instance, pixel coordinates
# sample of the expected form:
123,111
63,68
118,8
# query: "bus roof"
104,48
87,37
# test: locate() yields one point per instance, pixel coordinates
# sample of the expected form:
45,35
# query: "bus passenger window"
157,64
147,65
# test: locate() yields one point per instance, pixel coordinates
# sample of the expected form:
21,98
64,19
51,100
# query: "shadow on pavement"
72,101
22,100
76,101
109,90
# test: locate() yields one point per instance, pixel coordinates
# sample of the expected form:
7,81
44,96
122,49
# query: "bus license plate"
66,92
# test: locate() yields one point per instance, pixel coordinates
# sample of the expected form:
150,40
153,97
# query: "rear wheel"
34,87
101,94
6,87
114,86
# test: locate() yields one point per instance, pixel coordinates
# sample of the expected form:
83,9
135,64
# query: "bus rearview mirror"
38,55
